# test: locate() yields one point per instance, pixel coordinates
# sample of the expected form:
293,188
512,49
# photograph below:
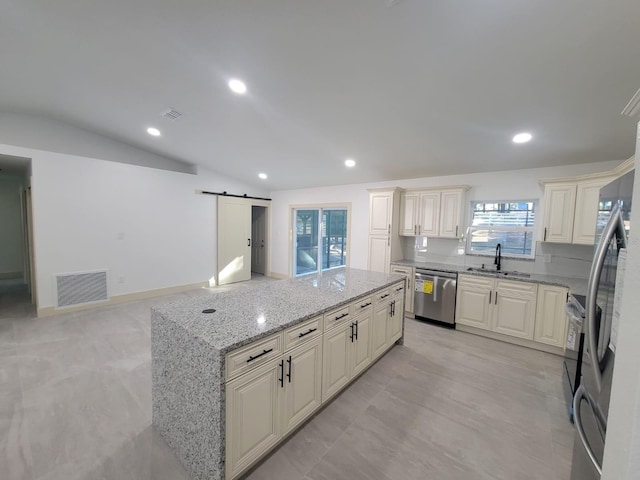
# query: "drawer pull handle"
399,288
264,352
365,305
341,316
384,296
311,330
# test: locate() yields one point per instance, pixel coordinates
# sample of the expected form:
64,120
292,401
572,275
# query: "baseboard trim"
278,276
523,342
127,297
11,275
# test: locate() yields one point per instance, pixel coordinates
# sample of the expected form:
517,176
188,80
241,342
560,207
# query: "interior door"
258,239
234,240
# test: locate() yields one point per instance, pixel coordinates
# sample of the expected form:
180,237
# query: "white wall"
622,451
81,205
55,136
513,184
11,235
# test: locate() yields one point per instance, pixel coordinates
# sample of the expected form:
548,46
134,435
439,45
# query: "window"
320,239
511,224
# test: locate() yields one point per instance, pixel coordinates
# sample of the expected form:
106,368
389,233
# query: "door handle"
544,238
248,242
351,336
615,224
281,379
456,230
490,292
495,301
356,330
577,417
289,374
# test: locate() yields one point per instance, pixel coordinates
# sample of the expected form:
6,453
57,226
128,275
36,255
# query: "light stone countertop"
245,315
575,285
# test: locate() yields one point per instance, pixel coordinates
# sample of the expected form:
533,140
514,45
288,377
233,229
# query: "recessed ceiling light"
153,131
237,86
523,137
263,176
350,162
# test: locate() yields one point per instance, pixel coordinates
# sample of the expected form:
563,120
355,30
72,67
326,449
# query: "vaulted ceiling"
408,88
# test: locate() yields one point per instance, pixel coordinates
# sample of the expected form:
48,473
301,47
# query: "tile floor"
75,403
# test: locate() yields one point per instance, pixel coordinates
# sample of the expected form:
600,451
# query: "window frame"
532,229
292,237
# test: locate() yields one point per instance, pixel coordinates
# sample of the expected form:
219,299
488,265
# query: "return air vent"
81,288
172,114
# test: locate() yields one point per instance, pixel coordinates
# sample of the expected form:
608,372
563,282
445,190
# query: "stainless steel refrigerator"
591,400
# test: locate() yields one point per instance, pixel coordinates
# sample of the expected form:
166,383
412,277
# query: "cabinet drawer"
397,289
298,334
381,296
475,281
517,289
362,307
336,317
245,358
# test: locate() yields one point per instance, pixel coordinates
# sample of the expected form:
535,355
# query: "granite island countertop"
575,285
245,315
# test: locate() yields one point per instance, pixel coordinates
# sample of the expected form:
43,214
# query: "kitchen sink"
501,273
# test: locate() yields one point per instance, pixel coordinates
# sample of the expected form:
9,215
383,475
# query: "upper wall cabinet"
433,212
571,210
571,205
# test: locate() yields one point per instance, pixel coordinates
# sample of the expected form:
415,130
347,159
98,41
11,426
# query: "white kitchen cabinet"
433,212
384,242
503,306
252,416
388,316
551,319
302,383
559,208
474,299
452,213
409,273
514,308
347,350
587,198
571,209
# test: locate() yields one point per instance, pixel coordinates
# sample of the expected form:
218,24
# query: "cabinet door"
551,320
234,240
362,345
409,214
303,383
559,209
473,301
451,211
394,325
587,198
380,211
336,360
379,330
408,272
429,218
514,308
379,254
252,416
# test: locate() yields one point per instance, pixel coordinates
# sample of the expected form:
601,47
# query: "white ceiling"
415,89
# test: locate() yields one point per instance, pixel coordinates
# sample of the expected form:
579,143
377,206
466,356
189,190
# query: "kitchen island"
234,373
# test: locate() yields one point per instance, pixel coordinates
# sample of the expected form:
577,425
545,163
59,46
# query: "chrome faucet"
498,260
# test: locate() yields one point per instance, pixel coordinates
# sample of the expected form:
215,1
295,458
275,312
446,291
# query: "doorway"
258,239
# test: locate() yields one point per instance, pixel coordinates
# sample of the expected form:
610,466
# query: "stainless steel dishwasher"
435,296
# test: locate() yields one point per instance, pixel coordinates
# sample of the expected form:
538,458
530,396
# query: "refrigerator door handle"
577,418
615,224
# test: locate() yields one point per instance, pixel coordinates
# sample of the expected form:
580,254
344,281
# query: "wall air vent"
633,107
81,288
172,114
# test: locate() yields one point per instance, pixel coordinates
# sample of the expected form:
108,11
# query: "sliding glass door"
320,239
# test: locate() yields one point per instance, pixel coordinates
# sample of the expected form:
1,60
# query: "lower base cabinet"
268,401
551,319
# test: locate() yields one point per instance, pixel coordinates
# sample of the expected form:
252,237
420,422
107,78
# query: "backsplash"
551,258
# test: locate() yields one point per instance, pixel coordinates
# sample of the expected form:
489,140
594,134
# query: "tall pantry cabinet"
384,241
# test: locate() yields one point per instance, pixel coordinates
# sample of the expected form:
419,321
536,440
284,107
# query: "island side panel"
188,398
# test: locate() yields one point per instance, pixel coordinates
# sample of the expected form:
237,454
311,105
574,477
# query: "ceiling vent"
172,114
633,107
